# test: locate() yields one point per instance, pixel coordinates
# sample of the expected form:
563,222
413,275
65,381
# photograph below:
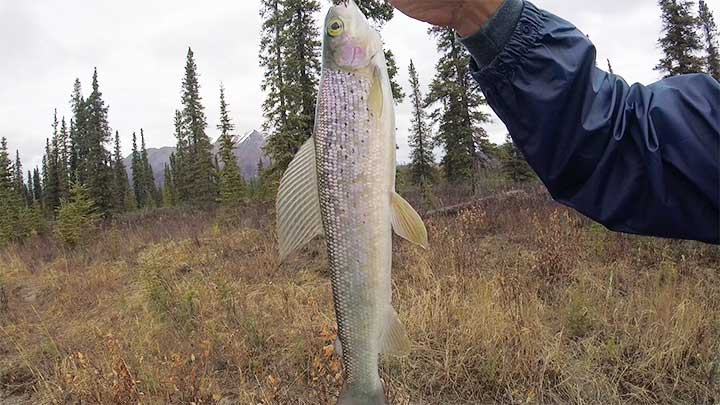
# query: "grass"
517,301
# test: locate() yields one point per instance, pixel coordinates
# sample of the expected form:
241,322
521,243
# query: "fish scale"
352,190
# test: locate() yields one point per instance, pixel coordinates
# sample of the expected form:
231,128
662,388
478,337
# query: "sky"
139,48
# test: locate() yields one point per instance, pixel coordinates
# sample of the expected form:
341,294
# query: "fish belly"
354,189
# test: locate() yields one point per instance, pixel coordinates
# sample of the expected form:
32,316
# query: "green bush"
77,218
15,219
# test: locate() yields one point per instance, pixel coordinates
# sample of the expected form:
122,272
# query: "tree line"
81,181
81,177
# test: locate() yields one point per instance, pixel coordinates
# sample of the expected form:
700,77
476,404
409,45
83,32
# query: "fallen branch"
454,209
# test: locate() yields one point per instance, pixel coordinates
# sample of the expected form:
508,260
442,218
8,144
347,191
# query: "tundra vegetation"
519,300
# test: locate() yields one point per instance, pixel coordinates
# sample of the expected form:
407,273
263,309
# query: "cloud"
139,49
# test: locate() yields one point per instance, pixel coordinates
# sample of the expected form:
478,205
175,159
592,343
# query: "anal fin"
394,340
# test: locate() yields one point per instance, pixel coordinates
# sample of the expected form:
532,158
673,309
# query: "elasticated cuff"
490,40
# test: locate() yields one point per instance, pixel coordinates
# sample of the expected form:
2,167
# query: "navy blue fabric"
638,159
491,38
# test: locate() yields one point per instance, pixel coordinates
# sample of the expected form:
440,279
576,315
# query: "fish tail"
349,396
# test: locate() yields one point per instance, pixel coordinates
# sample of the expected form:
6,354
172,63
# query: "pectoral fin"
298,203
394,340
407,223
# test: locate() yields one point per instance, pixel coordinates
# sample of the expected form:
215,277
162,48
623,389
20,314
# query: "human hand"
464,16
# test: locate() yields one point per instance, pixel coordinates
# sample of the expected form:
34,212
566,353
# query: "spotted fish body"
341,184
355,186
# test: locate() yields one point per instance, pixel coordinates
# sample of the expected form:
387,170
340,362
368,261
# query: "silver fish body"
341,184
355,178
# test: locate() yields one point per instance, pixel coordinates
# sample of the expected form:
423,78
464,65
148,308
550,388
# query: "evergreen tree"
98,176
77,217
232,184
180,161
290,54
61,151
18,182
457,113
51,192
37,186
168,191
148,178
201,174
138,175
680,41
78,135
29,193
709,30
514,165
121,185
6,171
14,219
302,56
421,167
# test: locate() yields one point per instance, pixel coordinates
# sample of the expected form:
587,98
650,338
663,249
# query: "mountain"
248,152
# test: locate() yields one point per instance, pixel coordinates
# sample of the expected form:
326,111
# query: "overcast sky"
139,48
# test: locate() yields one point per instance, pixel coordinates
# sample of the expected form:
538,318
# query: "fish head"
350,42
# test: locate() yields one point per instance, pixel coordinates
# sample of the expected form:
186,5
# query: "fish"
341,185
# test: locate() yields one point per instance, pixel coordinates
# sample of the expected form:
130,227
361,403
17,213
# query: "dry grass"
519,301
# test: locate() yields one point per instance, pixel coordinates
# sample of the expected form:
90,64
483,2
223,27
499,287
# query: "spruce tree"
709,30
51,192
180,161
514,165
61,144
421,167
37,186
78,135
457,100
18,181
14,219
121,185
290,54
98,175
302,56
6,171
680,41
232,184
30,193
148,178
168,191
77,217
275,107
138,176
201,175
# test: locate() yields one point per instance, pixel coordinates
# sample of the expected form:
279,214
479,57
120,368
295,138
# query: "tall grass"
517,301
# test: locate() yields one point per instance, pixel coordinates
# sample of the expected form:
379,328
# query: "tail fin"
351,397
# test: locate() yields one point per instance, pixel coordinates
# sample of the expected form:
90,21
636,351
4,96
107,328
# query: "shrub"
15,218
77,218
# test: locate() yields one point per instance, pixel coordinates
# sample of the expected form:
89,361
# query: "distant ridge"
248,152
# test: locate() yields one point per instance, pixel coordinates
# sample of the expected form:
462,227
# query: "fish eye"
335,27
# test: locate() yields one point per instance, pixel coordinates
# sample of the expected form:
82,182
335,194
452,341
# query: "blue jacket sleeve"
638,159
